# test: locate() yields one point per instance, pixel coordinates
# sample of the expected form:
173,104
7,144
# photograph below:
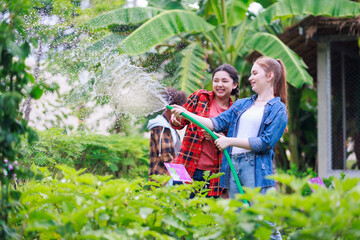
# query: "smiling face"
259,79
223,84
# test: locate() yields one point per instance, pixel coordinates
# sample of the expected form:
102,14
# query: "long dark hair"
278,68
233,74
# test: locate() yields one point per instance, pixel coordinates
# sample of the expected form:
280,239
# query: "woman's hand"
176,114
178,110
208,136
222,142
175,120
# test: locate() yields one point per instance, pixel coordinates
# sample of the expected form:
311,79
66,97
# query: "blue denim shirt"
271,129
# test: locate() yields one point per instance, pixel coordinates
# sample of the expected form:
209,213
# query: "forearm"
240,143
224,142
205,121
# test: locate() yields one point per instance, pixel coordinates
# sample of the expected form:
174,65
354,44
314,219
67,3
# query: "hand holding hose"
222,142
178,110
176,114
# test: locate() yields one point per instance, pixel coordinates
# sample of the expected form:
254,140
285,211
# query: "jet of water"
128,88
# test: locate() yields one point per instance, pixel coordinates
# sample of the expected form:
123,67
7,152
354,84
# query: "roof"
303,36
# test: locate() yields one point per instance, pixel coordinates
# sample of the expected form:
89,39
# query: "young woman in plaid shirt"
198,152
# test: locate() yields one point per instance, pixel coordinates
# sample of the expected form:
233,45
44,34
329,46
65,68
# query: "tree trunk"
36,76
294,96
280,155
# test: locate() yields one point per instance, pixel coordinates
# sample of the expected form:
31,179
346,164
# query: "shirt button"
262,166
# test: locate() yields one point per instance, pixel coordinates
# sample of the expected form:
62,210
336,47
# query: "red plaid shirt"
198,103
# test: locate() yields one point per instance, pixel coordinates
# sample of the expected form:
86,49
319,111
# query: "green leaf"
190,74
212,7
30,78
202,219
124,16
145,212
15,49
36,92
109,42
269,45
248,226
165,4
87,178
263,233
216,175
237,11
104,217
40,225
15,195
288,8
25,48
266,3
162,27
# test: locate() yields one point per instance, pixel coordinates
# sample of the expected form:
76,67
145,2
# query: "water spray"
225,151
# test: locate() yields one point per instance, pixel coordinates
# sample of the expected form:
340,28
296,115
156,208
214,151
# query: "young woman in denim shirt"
254,125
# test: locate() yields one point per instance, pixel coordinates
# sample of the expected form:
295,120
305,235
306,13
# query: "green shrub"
126,157
85,206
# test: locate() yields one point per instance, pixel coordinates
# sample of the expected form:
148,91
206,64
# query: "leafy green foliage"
286,8
124,16
192,68
15,82
121,156
234,34
79,205
165,25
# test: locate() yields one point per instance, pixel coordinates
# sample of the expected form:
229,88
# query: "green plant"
125,157
14,83
79,205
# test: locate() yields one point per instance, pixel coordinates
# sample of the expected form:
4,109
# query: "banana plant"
219,31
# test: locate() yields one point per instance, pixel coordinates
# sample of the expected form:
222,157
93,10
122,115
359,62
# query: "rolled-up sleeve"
273,130
216,124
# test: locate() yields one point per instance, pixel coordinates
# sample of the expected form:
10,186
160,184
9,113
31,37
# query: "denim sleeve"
271,134
223,120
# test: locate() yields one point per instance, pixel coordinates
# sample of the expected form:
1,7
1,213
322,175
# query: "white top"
249,125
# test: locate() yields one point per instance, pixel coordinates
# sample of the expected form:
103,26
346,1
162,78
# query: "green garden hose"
225,151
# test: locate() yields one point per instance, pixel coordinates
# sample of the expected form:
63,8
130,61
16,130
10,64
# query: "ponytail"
280,86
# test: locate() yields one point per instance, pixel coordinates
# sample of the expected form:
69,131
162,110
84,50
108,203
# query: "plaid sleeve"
167,146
